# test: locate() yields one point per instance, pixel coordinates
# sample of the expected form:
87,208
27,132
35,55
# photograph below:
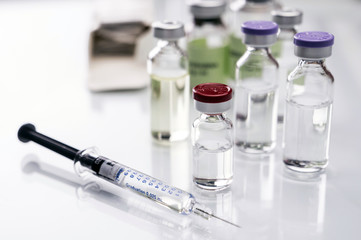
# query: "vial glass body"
208,52
168,70
285,58
308,116
256,101
242,12
212,140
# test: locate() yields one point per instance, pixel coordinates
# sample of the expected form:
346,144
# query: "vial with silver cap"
309,101
256,89
208,43
212,137
287,20
168,70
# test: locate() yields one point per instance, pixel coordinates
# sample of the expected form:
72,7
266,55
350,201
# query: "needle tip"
233,224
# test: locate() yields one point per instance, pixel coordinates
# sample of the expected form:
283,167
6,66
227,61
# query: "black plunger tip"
28,133
24,130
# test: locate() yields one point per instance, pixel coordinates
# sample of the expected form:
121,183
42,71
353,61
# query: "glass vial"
256,89
243,11
287,21
309,104
168,70
208,43
212,137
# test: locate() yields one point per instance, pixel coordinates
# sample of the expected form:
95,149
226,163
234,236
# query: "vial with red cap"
212,137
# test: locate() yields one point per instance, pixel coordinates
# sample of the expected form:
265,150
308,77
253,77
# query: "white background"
43,80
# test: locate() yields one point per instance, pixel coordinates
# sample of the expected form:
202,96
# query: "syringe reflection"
103,195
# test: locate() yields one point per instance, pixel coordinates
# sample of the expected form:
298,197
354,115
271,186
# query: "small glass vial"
256,89
287,21
168,70
208,44
309,104
243,11
212,137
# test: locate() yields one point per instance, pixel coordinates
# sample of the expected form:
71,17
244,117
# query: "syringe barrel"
138,182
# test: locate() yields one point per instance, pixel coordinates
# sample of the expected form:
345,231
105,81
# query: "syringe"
122,176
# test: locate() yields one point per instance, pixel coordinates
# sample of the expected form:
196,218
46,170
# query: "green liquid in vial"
276,49
236,50
207,64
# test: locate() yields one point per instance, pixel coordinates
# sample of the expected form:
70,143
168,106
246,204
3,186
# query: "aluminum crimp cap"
212,97
313,44
287,18
260,33
168,30
208,9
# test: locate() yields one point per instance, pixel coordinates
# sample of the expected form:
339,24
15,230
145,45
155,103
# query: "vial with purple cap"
242,11
256,89
309,104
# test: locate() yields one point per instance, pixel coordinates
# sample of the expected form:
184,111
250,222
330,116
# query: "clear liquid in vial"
213,169
169,108
307,134
256,119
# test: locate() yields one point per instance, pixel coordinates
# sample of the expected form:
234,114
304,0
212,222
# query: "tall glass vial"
287,21
208,43
256,89
309,104
243,11
168,70
212,137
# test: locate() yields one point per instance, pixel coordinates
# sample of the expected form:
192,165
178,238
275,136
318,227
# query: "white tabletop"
43,76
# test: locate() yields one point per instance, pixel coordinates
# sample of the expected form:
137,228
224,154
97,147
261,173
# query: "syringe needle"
226,221
206,213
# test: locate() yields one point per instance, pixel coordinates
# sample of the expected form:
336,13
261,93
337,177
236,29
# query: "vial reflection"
256,189
302,204
171,163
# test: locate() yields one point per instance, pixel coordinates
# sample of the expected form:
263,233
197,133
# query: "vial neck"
286,34
167,43
315,65
288,30
311,62
214,116
252,3
262,52
212,21
258,50
262,7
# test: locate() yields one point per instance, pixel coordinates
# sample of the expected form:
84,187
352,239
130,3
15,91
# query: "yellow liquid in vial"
170,108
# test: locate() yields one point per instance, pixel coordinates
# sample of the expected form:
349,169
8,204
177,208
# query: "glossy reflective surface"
42,197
